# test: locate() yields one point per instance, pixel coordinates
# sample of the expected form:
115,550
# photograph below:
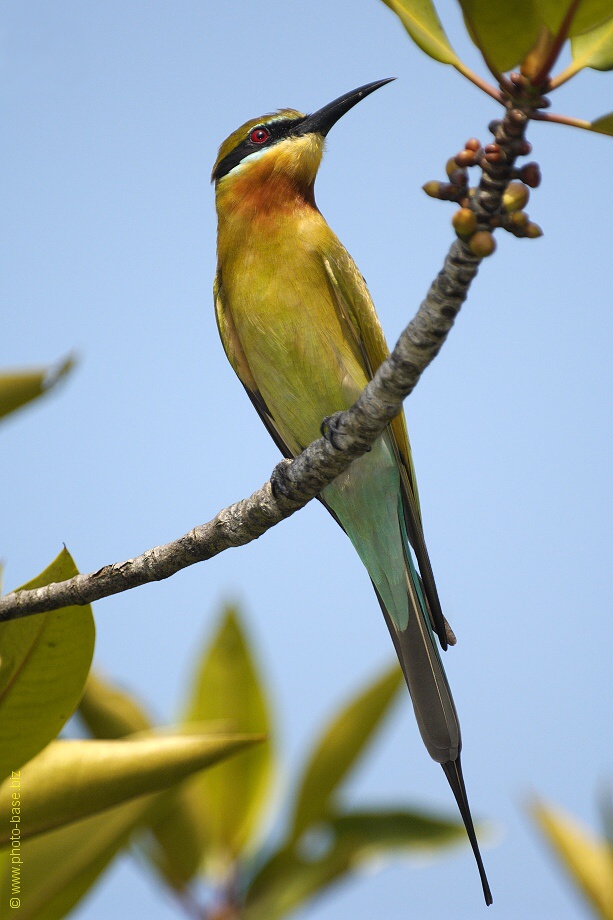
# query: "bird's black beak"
321,121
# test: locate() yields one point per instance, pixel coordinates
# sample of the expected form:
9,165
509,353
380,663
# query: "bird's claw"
279,481
330,430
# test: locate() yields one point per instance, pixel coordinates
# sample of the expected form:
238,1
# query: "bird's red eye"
259,135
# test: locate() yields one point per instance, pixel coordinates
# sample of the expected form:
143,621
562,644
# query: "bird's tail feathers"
453,772
433,704
423,671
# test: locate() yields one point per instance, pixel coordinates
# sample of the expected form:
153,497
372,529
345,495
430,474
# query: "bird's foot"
280,484
331,431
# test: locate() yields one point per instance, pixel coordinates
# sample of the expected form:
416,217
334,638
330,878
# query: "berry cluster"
474,226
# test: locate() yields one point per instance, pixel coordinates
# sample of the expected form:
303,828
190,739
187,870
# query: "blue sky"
112,118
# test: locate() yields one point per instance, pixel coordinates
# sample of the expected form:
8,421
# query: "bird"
300,330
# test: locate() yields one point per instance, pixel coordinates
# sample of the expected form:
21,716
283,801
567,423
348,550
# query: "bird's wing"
236,357
360,320
359,317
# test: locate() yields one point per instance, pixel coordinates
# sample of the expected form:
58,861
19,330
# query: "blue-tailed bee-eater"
301,332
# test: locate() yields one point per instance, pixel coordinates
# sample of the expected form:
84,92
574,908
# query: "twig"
293,483
479,81
563,120
346,436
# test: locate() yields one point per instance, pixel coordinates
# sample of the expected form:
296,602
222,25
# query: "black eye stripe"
277,130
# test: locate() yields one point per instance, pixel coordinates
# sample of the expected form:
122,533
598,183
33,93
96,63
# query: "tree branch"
293,483
347,435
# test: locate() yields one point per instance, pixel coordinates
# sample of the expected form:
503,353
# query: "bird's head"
278,155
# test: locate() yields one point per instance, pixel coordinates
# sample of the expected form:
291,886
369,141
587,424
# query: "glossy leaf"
603,125
232,796
173,840
503,30
506,30
60,866
340,745
174,843
110,712
595,48
421,21
5,870
587,859
335,848
588,14
63,864
44,663
20,387
71,780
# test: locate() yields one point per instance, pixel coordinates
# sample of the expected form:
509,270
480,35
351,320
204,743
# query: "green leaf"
174,843
232,796
109,712
421,21
588,15
45,660
337,750
503,30
595,48
343,844
506,30
586,859
603,125
62,865
20,387
71,780
59,867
